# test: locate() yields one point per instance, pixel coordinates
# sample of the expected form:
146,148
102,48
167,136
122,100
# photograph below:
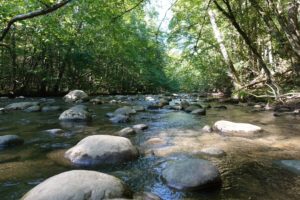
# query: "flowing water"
248,170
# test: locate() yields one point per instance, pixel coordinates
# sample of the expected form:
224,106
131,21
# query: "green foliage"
92,45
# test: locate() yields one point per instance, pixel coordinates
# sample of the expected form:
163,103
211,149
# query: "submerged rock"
126,110
101,149
236,129
96,100
51,108
145,196
191,174
199,111
76,113
33,109
119,118
10,140
138,108
192,108
291,165
21,105
76,95
79,185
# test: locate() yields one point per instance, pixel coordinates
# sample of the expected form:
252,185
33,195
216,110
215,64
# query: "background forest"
242,47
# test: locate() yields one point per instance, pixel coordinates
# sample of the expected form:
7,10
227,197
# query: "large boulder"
10,140
76,113
101,149
75,96
236,129
79,185
191,174
21,105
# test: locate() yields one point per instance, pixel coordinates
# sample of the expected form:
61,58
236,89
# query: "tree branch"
127,11
32,14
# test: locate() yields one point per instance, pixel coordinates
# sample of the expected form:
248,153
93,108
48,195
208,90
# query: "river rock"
236,129
79,185
21,105
33,109
119,119
96,100
199,111
145,196
126,110
125,132
207,129
184,104
291,165
140,127
213,151
51,108
220,107
163,102
191,108
10,140
191,174
138,108
76,95
76,113
101,149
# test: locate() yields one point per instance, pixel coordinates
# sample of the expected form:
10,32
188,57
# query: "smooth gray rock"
119,118
33,109
191,108
140,127
191,174
79,185
184,104
51,108
138,108
236,129
96,100
21,105
75,96
207,129
291,165
10,140
125,132
199,111
76,113
126,110
101,149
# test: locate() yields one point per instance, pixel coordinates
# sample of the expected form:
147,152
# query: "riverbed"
248,170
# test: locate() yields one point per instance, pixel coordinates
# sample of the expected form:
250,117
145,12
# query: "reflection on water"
248,170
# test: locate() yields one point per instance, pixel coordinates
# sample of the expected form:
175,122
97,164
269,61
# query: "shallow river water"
248,170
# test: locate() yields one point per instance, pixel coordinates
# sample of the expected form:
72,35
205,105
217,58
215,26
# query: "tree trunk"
219,38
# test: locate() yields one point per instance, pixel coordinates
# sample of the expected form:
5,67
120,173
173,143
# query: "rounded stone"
100,150
191,174
76,113
10,140
236,129
79,185
76,95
